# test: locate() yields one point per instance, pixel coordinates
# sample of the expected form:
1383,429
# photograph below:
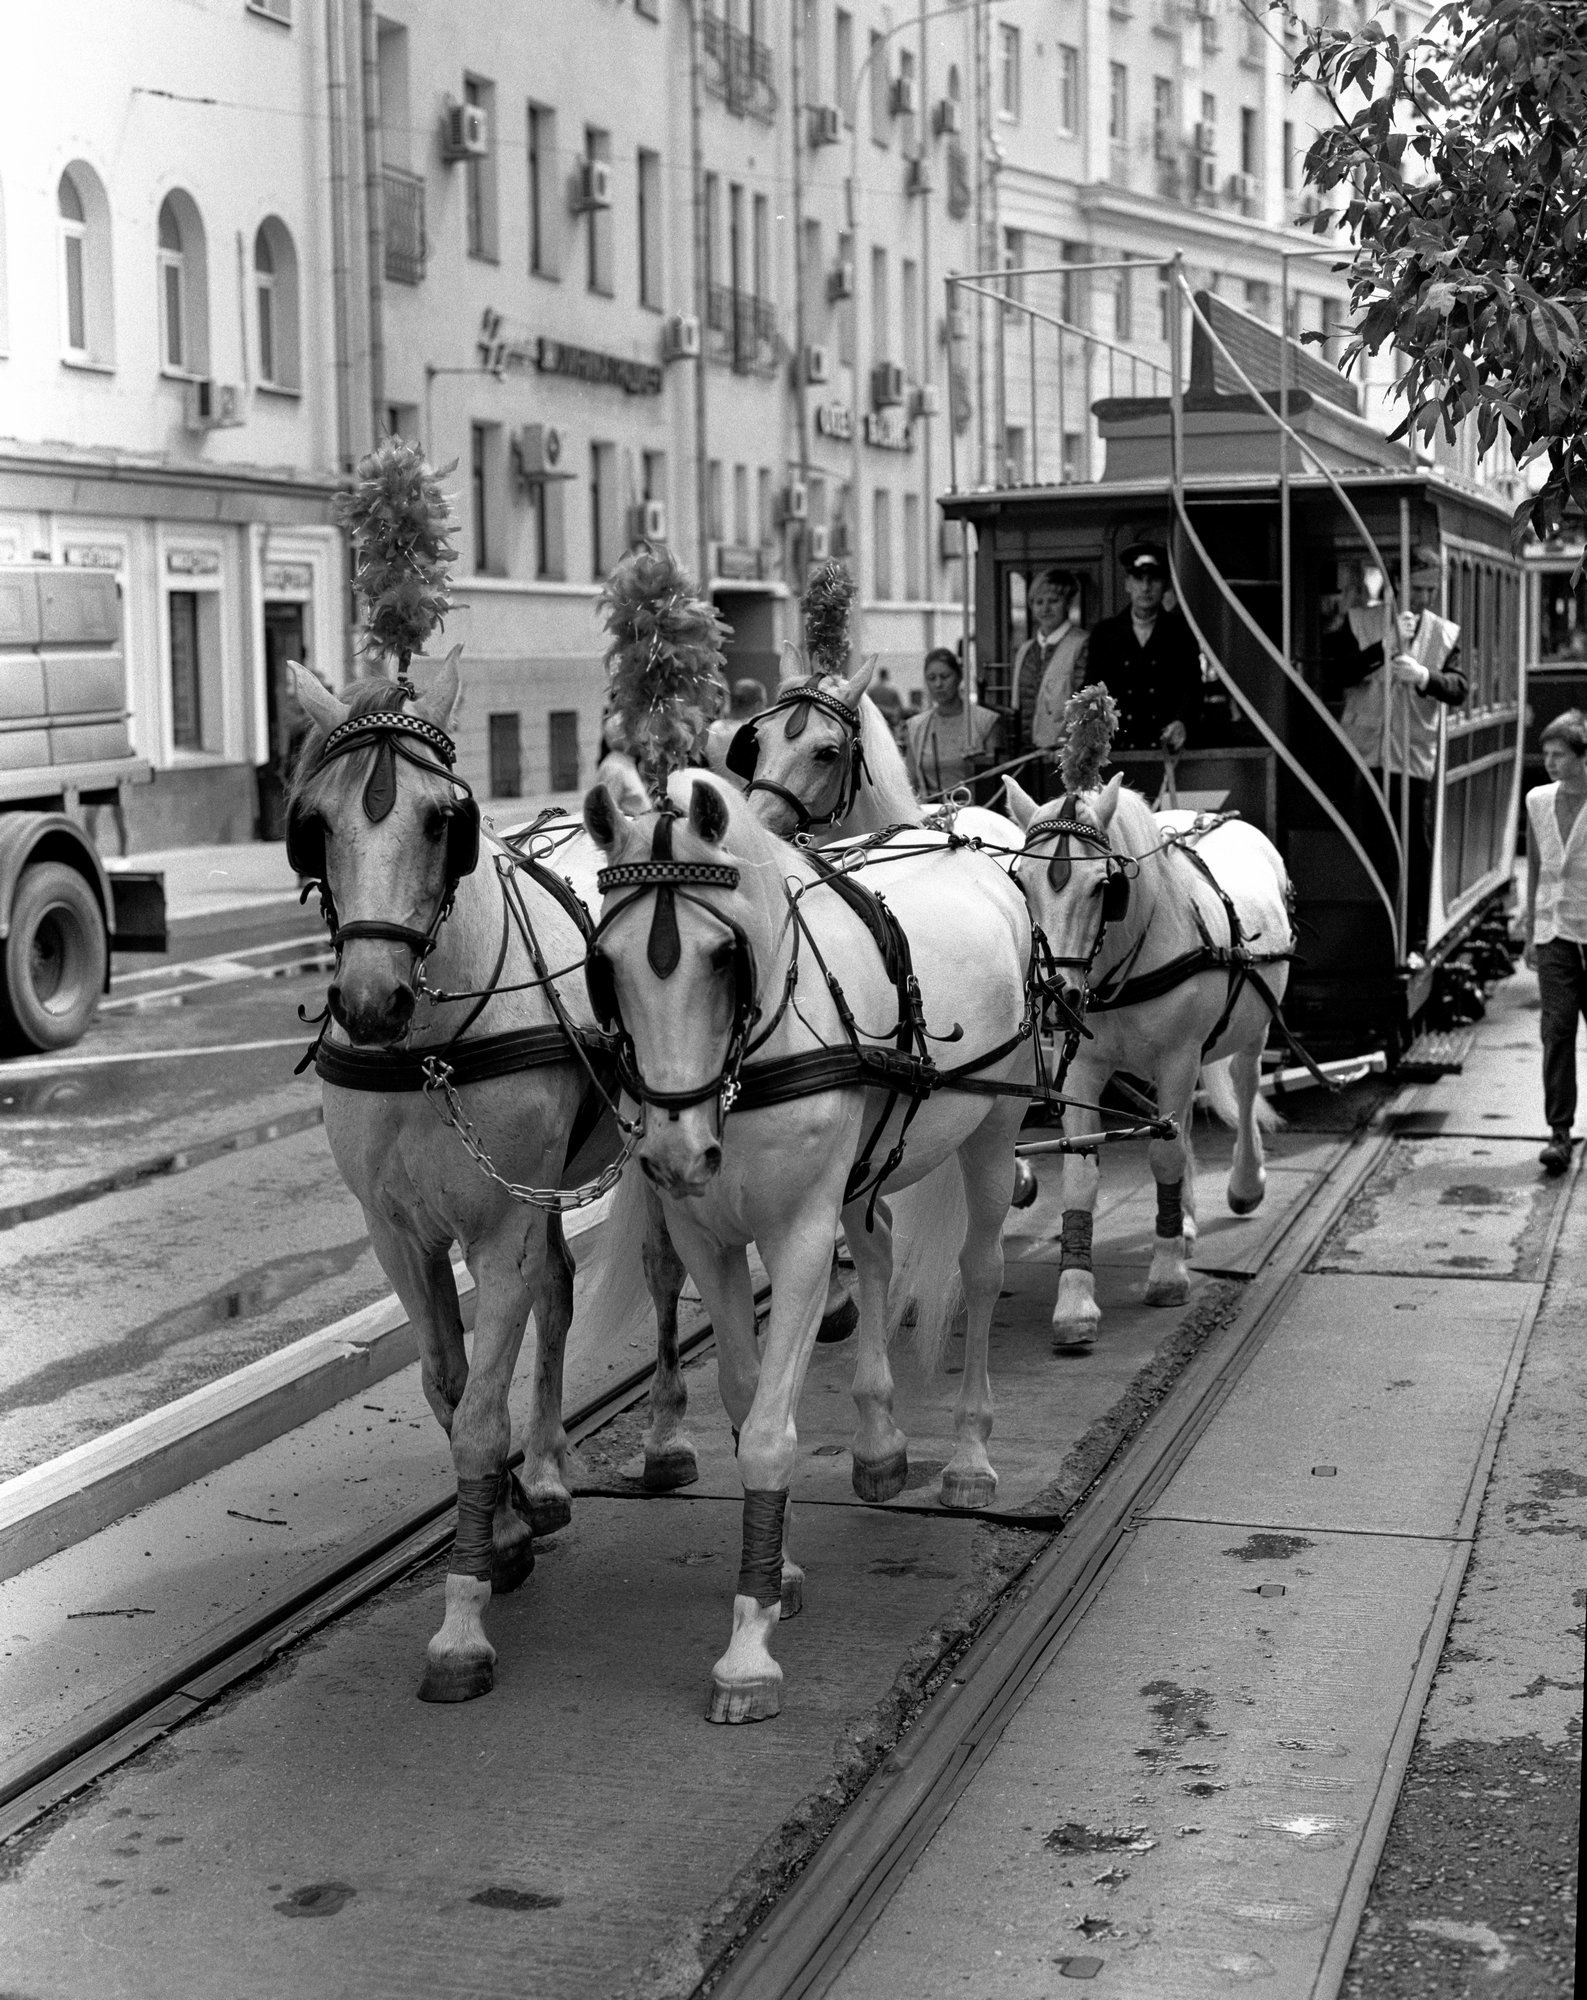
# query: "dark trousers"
1562,982
1419,858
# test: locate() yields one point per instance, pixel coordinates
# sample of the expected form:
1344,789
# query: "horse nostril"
402,1004
711,1158
333,1000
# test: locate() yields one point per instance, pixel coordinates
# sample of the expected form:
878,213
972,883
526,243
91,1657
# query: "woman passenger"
943,748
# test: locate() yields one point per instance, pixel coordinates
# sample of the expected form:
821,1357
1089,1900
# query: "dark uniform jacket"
1153,684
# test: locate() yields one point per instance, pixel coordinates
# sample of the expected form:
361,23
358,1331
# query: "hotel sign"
889,430
835,420
585,364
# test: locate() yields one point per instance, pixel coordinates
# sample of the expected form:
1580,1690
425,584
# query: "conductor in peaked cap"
1149,659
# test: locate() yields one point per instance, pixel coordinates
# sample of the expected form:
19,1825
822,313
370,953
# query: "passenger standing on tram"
1044,673
1556,919
942,749
1149,660
1357,647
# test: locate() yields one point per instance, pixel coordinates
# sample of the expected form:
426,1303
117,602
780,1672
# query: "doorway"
285,721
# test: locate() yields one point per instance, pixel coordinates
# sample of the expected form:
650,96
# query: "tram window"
1562,618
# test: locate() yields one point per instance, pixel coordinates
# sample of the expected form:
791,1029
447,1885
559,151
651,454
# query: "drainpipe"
374,194
923,333
341,301
802,391
701,302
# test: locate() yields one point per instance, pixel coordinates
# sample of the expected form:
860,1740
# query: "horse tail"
1215,1089
612,1293
929,1222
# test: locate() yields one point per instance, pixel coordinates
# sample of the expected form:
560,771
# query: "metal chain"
442,1093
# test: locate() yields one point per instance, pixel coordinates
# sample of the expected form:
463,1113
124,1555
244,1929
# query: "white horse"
1119,897
420,1191
713,930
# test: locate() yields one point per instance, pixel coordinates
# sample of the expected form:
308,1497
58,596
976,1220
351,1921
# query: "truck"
64,745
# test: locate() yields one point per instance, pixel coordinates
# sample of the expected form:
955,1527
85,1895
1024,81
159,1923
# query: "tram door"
284,640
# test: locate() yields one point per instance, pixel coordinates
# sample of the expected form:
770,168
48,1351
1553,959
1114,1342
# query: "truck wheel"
55,956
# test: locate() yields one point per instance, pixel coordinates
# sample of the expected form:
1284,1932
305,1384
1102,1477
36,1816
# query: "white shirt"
1561,869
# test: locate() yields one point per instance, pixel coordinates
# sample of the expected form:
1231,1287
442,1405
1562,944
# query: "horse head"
803,758
376,817
675,962
1076,883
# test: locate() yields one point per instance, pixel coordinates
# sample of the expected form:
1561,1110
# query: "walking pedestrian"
1556,919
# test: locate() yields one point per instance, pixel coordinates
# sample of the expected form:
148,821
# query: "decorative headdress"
665,657
398,519
1091,719
828,600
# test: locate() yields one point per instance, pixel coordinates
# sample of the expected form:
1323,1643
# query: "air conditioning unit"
826,125
1206,138
647,522
1206,174
1243,188
818,544
680,338
537,448
818,364
465,134
948,117
902,97
918,178
926,401
795,501
887,385
212,406
950,540
840,280
592,185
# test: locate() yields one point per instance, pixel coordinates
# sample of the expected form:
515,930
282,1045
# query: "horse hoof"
1245,1204
744,1701
547,1510
879,1479
1168,1292
793,1592
965,1491
665,1471
838,1325
1073,1345
511,1566
457,1679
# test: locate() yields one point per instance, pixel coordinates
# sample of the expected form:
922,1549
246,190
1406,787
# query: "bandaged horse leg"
668,1460
1247,1176
1168,1280
986,1162
546,1503
460,1663
793,1577
881,1452
1076,1313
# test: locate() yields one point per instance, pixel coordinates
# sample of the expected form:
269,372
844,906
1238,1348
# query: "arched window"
183,288
84,267
275,267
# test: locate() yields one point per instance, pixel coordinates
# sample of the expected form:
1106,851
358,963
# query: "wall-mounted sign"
193,562
288,576
735,561
91,555
889,430
584,364
835,420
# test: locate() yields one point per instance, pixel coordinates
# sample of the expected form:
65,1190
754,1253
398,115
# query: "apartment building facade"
167,368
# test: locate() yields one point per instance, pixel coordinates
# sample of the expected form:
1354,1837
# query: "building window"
741,506
650,221
1289,157
882,543
814,274
906,77
183,287
544,261
713,231
909,318
275,266
598,258
173,292
1259,297
1123,317
562,727
396,120
714,508
764,520
187,713
881,86
1118,103
1209,119
843,63
74,268
881,319
1014,264
914,581
606,540
479,494
1162,117
550,531
760,246
653,465
1250,143
847,315
480,175
506,756
1068,89
1008,81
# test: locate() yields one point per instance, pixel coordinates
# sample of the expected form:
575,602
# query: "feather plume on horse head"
664,660
828,601
1091,720
399,519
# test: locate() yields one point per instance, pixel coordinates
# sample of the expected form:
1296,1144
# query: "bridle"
1116,887
668,879
386,730
743,752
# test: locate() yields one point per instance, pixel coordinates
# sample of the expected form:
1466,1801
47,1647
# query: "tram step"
1436,1053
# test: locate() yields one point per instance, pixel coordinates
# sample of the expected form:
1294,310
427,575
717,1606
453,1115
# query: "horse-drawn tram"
1086,1628
1294,542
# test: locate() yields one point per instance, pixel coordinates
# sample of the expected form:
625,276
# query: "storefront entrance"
284,639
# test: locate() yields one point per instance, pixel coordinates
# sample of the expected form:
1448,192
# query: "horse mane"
1134,817
373,695
886,774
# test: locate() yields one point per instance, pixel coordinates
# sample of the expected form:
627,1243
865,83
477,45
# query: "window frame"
1010,80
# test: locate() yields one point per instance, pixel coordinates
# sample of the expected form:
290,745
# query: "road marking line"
248,951
51,1065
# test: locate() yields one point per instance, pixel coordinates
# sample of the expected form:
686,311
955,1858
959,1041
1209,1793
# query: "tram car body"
1222,503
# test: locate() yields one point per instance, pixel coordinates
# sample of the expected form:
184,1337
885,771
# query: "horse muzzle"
374,1012
678,1160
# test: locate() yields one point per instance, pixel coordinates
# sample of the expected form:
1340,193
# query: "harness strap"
482,1060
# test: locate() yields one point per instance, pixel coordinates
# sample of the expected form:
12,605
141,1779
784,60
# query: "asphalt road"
169,1209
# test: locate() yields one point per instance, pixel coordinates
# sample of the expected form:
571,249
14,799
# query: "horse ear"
604,819
858,682
1108,799
441,700
1022,808
321,706
708,814
793,666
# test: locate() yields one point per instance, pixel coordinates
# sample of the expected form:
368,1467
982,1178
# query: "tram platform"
582,1831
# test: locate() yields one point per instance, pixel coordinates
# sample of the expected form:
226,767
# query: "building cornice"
1177,222
150,469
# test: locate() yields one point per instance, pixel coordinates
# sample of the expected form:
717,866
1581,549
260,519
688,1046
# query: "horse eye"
434,824
827,754
721,957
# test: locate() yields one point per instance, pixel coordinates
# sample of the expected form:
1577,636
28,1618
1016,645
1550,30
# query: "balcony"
404,226
738,70
741,330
